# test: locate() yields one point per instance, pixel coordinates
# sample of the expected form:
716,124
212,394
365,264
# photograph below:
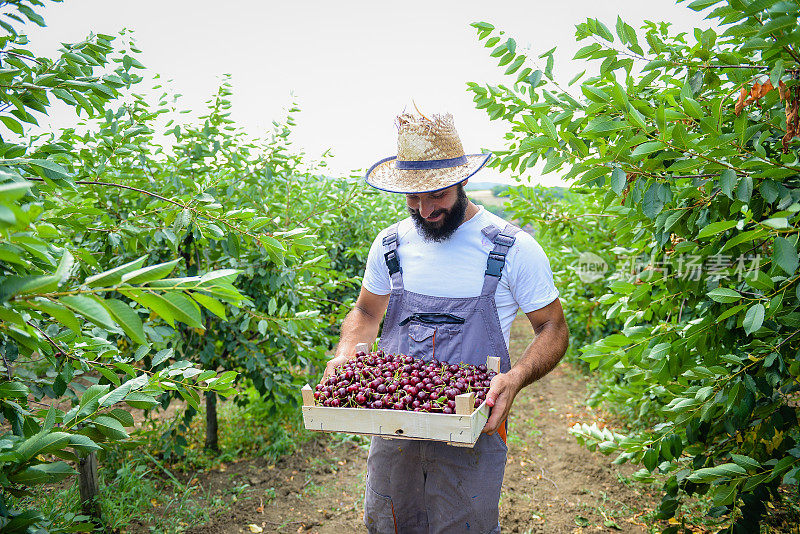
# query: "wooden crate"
461,429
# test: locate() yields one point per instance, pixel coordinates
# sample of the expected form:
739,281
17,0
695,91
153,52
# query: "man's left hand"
502,390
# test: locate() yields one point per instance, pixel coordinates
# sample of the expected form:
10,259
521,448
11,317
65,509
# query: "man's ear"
464,182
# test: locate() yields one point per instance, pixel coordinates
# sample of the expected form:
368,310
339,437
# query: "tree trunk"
89,489
211,421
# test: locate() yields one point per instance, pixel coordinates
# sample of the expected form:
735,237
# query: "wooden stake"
212,423
89,489
362,347
493,363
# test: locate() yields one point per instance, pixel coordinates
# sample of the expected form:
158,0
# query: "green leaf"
141,401
754,318
90,400
692,108
715,228
90,309
153,302
727,181
618,180
26,285
114,276
110,375
514,67
778,223
776,73
646,148
724,494
587,51
83,443
183,309
549,128
699,5
784,254
745,189
43,474
124,417
162,355
148,274
511,46
12,125
121,392
58,312
725,295
652,202
760,280
711,474
211,304
127,318
603,32
51,168
110,427
14,190
223,275
746,462
42,443
13,390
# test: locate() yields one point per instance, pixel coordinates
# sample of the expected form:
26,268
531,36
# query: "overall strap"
497,257
390,241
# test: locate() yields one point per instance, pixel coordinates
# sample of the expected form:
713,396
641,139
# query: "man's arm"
360,326
544,352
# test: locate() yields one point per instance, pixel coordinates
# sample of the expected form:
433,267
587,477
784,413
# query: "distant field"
486,197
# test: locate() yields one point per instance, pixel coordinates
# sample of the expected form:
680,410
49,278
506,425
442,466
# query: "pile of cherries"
400,382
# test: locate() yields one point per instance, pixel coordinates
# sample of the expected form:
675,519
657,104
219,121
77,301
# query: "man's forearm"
358,327
542,355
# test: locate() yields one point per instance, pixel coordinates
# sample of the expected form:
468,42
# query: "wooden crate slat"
397,424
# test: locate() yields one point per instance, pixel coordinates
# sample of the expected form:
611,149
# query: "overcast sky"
352,65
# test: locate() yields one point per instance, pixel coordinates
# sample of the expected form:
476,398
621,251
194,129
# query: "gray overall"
429,486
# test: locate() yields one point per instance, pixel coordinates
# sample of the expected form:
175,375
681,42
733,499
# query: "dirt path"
551,485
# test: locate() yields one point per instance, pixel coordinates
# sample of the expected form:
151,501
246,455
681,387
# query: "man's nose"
426,208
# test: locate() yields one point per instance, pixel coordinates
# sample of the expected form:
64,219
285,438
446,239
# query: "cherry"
391,381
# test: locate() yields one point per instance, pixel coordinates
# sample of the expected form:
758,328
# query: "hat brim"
386,177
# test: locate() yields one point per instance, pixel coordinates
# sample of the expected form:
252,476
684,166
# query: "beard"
452,219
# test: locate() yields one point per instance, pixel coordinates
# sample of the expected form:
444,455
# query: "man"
453,277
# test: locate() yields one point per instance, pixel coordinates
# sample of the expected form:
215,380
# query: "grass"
143,492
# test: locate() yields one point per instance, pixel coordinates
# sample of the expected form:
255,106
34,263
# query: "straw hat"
429,157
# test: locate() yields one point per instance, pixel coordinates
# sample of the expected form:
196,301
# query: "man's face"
437,215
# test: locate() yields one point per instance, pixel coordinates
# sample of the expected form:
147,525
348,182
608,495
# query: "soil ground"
551,485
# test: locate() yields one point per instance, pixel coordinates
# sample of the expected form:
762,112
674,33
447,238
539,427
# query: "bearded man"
453,277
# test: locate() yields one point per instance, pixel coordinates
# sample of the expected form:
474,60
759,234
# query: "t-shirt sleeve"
530,276
376,274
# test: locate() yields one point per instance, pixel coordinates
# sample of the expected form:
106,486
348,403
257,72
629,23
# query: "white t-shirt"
456,267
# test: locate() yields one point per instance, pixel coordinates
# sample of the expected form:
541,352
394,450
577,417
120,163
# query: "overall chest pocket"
440,340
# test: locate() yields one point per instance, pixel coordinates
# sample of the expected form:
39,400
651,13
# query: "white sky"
352,65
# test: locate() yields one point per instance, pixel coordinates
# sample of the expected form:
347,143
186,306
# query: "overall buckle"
495,263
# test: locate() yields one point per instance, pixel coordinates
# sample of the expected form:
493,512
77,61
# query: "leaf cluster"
701,356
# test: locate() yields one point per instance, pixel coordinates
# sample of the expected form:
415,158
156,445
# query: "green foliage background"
142,262
703,369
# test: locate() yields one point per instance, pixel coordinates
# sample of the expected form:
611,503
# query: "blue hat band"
429,164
